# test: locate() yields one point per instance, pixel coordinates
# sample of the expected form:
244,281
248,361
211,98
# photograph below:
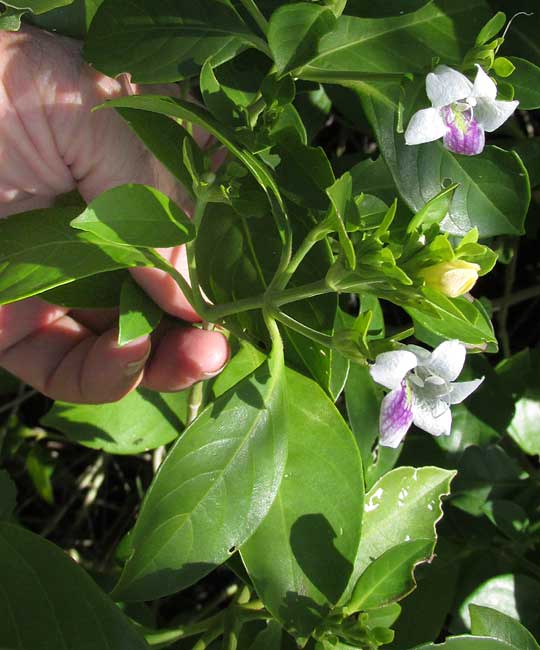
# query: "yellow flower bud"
451,278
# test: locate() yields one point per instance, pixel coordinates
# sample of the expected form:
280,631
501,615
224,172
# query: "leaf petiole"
256,14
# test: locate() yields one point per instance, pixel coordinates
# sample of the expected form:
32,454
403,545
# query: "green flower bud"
451,278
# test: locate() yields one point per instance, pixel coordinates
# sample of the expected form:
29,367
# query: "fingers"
184,356
161,287
66,361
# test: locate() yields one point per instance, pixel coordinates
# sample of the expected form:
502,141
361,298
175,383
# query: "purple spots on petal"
396,415
464,135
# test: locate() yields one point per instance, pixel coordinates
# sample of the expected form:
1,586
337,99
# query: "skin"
51,143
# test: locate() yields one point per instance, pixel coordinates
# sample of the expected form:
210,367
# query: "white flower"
422,389
461,111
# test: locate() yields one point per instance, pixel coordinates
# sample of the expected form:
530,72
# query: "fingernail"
132,344
134,367
214,373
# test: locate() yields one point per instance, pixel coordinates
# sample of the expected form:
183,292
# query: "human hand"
51,143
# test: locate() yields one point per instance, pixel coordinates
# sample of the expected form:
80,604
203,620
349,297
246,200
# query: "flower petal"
445,86
462,389
425,126
468,139
421,354
433,416
447,360
390,368
483,86
492,113
396,416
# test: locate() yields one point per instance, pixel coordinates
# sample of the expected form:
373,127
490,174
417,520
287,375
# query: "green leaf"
453,318
363,398
529,152
417,494
301,556
67,609
373,177
139,314
40,467
269,638
491,28
8,495
503,67
236,258
434,211
526,81
515,596
524,427
294,32
391,576
197,115
509,517
433,596
243,363
71,20
165,139
99,291
488,473
141,421
340,194
370,9
132,37
217,101
500,626
303,173
213,489
241,78
136,215
39,251
10,19
37,6
399,44
493,192
466,642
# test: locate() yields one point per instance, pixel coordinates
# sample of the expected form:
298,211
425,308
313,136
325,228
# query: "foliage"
315,258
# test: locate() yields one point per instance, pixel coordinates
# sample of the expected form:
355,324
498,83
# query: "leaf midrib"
274,378
407,25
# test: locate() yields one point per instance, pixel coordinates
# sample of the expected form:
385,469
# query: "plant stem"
310,290
509,279
314,236
314,335
162,264
256,14
516,298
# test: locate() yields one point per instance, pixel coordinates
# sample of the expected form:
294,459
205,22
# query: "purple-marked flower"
460,113
422,388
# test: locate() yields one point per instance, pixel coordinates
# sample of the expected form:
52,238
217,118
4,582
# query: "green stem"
166,637
516,298
509,280
314,335
303,292
256,14
200,303
318,233
162,264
